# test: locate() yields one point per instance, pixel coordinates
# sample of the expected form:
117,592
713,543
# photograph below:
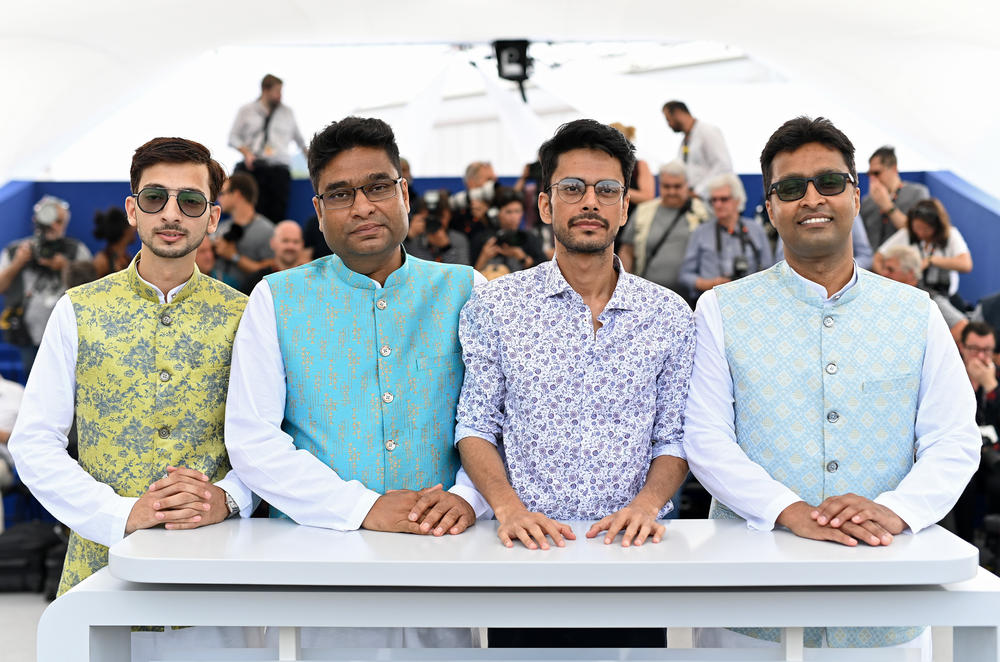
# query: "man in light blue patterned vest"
346,371
826,399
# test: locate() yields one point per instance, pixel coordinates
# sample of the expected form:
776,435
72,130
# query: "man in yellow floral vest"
144,355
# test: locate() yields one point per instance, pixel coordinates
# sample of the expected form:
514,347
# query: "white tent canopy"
91,81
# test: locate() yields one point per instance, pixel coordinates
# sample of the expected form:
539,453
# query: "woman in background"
112,226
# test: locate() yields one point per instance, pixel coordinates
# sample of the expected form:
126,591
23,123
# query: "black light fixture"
513,62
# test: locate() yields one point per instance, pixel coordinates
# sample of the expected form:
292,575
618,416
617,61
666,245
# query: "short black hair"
978,328
586,134
346,134
269,81
886,155
801,131
244,184
176,150
671,106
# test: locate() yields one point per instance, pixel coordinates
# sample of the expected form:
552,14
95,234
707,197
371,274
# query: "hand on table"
636,524
797,518
860,517
183,499
531,529
438,512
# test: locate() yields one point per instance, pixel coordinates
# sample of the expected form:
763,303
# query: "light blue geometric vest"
826,394
373,375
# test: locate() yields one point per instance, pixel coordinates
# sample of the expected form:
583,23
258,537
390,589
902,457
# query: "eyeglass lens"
152,200
829,183
608,191
375,191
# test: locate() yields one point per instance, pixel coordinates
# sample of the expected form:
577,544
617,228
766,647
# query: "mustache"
172,228
589,216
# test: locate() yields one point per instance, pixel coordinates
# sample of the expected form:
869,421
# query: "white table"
704,573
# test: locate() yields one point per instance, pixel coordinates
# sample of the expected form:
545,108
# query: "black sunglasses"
154,198
794,188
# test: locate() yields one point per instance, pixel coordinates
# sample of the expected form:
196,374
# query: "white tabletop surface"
693,553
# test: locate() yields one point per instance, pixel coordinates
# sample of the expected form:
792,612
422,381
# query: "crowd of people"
494,341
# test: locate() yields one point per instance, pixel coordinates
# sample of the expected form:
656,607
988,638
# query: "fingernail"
412,517
156,505
159,515
438,531
153,486
208,495
835,521
197,518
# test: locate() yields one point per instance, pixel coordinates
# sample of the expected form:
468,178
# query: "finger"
876,529
566,531
658,531
177,514
525,538
643,533
432,488
504,537
862,533
552,530
187,471
424,503
175,501
433,516
598,526
447,521
618,521
836,535
178,479
184,486
537,532
464,522
845,515
630,532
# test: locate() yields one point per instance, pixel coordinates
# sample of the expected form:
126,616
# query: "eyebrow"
167,188
372,177
796,175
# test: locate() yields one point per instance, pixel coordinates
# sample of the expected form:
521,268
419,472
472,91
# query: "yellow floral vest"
151,382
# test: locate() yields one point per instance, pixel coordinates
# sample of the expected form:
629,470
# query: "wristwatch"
234,508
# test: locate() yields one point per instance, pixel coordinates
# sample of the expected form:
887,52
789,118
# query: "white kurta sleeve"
713,455
947,440
292,480
38,443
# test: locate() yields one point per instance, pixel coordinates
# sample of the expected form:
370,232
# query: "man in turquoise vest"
141,357
346,371
826,399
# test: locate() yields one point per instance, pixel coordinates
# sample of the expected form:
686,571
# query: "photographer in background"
31,276
430,236
728,249
510,248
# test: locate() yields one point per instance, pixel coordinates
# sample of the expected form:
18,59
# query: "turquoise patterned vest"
373,375
151,383
826,394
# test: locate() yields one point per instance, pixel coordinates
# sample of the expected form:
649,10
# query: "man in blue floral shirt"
576,371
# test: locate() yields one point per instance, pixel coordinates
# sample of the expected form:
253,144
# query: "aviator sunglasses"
154,198
794,188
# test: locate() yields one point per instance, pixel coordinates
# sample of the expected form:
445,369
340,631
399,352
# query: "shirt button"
166,319
832,466
828,321
385,350
387,397
831,368
164,432
164,376
390,445
381,304
833,417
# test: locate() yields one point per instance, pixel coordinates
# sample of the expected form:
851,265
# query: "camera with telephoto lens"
510,238
937,280
45,215
741,267
432,200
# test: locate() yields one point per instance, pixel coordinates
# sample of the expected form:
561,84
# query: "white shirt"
295,481
39,442
708,156
953,247
947,440
248,131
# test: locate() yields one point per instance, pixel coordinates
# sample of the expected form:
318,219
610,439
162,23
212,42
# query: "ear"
130,211
318,207
215,212
857,200
545,208
767,206
625,202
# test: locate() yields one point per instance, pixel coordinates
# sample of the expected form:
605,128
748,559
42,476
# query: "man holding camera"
510,249
31,276
728,249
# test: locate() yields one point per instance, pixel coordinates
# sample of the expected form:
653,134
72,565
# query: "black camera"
741,267
937,280
46,249
510,237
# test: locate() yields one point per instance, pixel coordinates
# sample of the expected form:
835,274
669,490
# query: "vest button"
385,350
164,376
833,417
166,319
381,304
831,368
390,445
828,321
387,397
832,466
164,432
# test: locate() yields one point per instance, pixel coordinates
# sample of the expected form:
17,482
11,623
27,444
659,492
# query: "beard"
595,242
177,249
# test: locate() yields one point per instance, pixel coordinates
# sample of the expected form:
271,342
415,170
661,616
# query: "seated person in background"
903,264
210,266
889,198
728,249
286,243
112,226
430,236
655,240
242,242
941,246
510,249
641,186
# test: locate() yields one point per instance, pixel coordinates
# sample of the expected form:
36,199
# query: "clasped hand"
846,519
183,499
431,510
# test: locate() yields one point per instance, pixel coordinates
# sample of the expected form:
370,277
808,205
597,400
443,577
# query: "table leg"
792,644
976,644
289,644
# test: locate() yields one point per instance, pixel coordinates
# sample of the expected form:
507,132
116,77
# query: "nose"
812,196
589,200
362,206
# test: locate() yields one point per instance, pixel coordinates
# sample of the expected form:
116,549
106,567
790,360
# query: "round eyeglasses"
341,198
153,199
572,189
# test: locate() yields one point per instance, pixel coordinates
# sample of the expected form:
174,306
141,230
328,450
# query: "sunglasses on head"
154,198
794,188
